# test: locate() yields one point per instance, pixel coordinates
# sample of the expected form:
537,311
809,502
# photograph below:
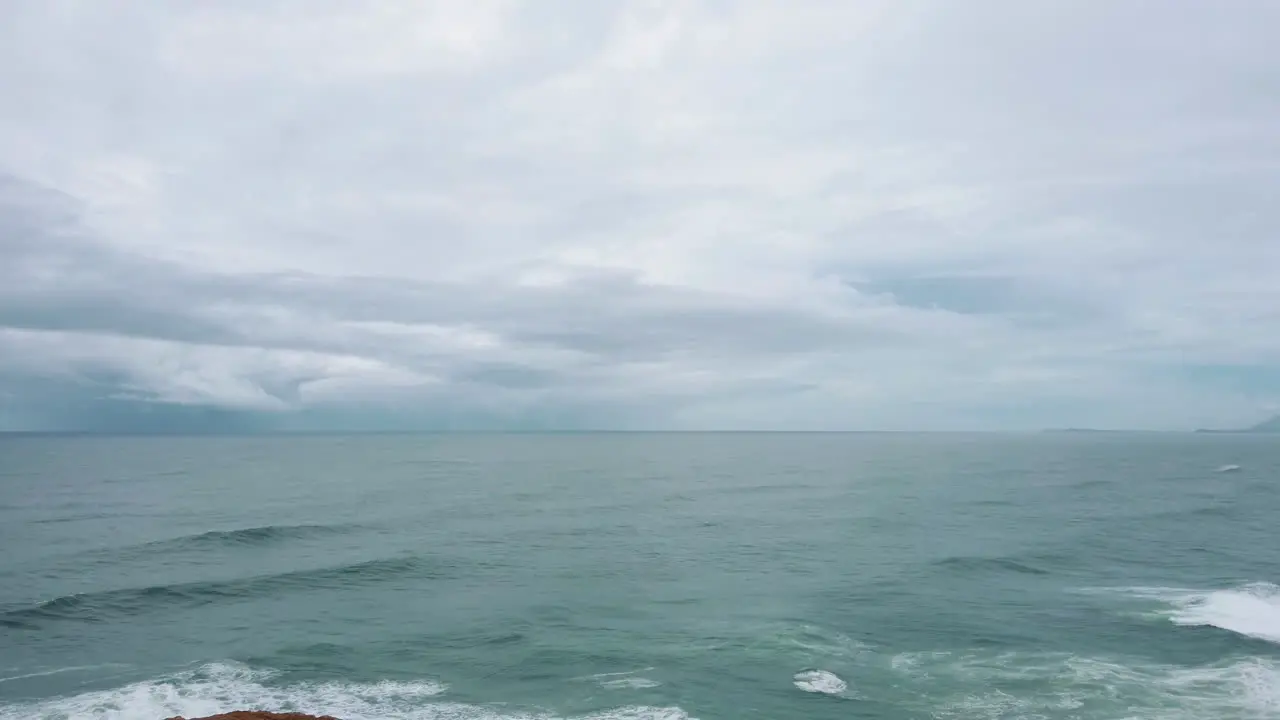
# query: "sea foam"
1251,610
628,680
820,681
963,686
224,687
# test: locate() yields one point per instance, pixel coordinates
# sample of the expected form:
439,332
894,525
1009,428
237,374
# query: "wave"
939,684
977,563
1218,511
629,683
98,515
762,489
211,541
819,681
994,502
1251,610
628,680
58,671
800,642
970,685
221,688
125,602
813,640
254,536
1212,511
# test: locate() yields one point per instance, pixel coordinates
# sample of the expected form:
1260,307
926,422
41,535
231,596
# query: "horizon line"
277,433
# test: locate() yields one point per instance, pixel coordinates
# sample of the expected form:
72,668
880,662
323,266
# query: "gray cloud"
666,215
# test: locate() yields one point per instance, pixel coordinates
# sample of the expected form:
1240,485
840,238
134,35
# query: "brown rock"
255,715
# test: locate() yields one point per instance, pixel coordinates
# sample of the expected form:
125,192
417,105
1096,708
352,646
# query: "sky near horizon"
569,214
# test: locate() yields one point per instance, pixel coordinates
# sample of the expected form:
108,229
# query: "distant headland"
1268,426
1084,430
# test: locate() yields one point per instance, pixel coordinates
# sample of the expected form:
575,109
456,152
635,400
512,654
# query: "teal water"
641,576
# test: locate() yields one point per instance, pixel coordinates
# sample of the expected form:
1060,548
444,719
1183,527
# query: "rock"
255,715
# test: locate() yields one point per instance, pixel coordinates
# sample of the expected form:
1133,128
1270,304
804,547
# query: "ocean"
641,576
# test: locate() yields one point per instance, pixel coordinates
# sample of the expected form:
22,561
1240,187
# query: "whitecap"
820,681
1251,610
1228,468
224,687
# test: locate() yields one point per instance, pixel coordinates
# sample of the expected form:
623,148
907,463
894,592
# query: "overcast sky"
491,214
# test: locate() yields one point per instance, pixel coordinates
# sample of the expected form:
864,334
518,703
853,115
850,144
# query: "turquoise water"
641,576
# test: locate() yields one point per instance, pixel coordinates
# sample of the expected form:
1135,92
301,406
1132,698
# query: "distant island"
1081,430
1268,426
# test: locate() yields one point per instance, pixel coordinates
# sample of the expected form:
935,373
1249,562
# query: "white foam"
816,641
909,663
224,687
629,683
1228,468
639,713
820,681
626,680
1252,610
1246,688
1071,686
615,674
58,671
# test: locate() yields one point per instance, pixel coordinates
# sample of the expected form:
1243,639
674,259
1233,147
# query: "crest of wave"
1251,610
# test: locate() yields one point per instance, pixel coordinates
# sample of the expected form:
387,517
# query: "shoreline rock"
257,715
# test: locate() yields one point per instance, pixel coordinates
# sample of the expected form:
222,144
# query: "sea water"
641,576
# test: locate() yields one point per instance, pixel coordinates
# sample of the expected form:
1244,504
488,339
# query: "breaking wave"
823,682
224,687
1251,610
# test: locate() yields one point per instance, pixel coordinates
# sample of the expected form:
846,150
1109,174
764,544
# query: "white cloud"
669,214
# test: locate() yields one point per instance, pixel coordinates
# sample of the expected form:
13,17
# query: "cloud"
638,215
